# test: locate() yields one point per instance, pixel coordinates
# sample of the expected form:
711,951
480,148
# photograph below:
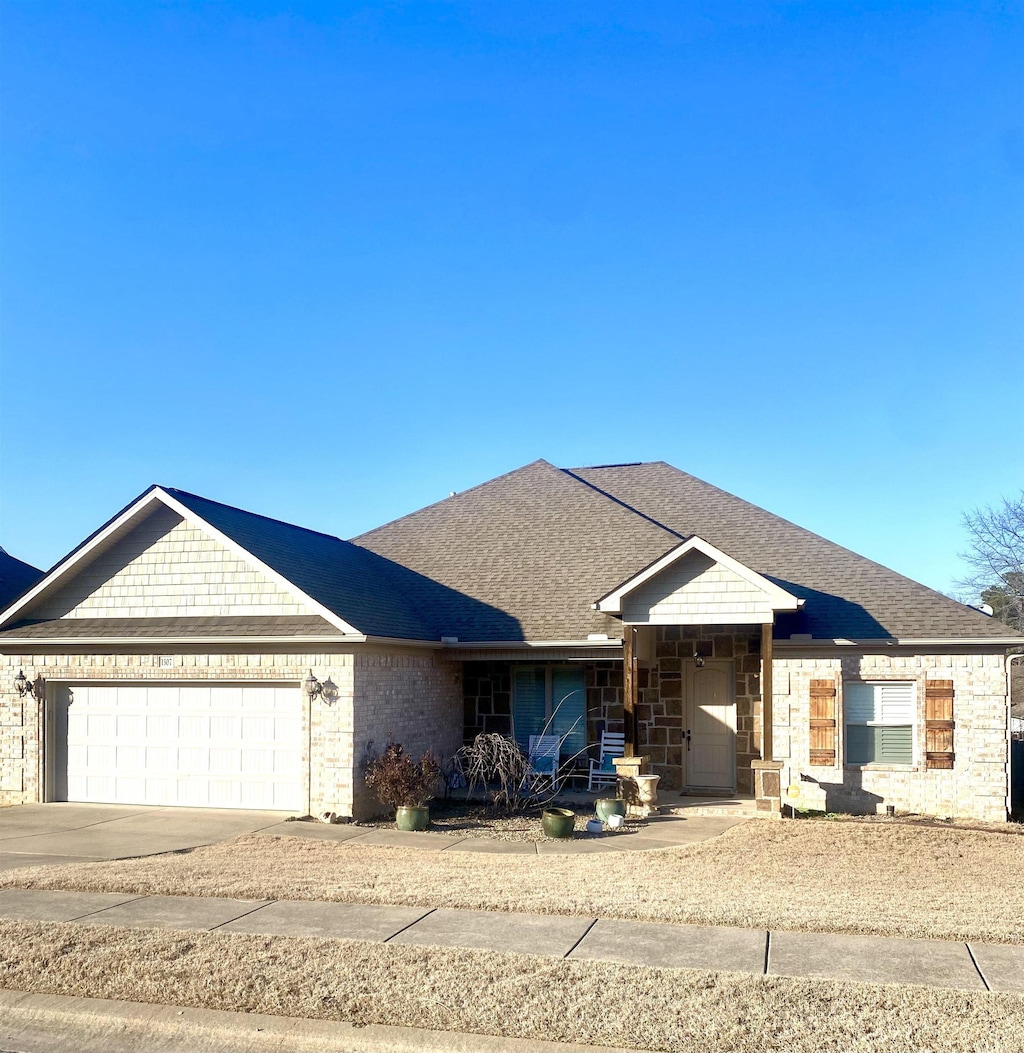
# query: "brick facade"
976,786
414,699
412,696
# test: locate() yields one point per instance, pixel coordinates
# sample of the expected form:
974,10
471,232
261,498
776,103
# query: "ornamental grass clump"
399,781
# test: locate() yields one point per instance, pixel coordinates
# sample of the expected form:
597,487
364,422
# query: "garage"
204,745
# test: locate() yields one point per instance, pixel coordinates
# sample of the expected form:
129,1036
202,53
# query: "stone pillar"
767,785
628,768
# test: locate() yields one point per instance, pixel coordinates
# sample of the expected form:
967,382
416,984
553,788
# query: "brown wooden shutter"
938,723
823,722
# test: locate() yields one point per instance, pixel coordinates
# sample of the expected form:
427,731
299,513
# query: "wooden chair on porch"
602,770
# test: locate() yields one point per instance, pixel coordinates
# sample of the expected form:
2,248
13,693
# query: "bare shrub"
399,781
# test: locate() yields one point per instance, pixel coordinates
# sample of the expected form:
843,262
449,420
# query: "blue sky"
331,261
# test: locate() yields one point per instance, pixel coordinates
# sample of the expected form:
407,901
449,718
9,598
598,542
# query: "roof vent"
449,639
597,636
986,608
801,638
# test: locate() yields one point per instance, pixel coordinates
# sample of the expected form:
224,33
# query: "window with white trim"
880,717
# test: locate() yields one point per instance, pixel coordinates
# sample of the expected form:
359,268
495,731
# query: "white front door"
205,745
709,737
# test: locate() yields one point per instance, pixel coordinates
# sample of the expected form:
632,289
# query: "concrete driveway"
43,834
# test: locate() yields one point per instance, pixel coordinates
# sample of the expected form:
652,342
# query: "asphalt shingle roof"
541,544
523,557
162,628
366,590
16,577
847,596
533,548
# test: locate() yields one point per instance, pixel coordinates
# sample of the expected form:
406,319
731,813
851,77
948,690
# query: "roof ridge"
813,534
434,504
616,500
245,511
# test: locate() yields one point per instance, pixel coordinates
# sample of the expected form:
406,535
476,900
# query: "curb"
46,1023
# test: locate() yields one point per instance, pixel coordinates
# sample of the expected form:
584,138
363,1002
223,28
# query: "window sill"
881,767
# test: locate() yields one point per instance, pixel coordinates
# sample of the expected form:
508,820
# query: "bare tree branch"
996,558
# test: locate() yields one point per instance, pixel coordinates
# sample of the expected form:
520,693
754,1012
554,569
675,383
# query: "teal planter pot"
413,817
606,806
558,822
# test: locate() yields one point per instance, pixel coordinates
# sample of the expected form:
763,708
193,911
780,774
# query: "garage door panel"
193,727
130,726
130,758
226,761
219,746
258,729
225,728
225,793
196,697
125,697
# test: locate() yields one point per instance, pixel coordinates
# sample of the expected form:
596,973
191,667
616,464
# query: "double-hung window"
880,717
550,700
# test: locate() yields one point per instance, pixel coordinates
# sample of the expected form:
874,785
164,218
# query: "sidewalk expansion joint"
262,906
984,978
102,910
581,939
405,928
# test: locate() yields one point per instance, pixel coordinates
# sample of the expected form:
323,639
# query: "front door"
709,737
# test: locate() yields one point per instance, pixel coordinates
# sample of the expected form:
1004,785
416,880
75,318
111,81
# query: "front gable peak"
697,584
158,558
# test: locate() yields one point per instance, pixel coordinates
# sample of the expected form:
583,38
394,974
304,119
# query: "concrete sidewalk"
52,834
874,959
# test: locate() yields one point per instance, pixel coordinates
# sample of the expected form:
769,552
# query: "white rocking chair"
602,771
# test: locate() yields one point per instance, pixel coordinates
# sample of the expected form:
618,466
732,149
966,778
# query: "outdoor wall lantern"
328,690
698,659
23,686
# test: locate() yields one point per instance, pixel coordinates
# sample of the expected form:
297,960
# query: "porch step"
737,807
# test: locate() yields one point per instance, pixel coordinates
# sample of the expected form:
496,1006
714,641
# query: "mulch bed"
480,820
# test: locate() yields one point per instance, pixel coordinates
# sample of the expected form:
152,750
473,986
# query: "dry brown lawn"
502,994
818,876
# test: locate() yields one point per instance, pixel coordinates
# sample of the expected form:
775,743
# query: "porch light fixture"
24,686
328,690
698,659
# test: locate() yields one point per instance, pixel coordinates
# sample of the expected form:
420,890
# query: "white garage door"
202,745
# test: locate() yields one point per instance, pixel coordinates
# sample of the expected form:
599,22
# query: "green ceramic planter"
606,806
558,822
413,817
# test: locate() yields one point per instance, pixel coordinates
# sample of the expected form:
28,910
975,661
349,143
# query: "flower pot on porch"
558,822
647,786
607,806
412,817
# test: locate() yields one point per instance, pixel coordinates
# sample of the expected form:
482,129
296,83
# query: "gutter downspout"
1009,730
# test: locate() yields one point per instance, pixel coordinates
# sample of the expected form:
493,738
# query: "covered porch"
689,685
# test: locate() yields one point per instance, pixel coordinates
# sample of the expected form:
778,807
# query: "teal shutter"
568,709
529,709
